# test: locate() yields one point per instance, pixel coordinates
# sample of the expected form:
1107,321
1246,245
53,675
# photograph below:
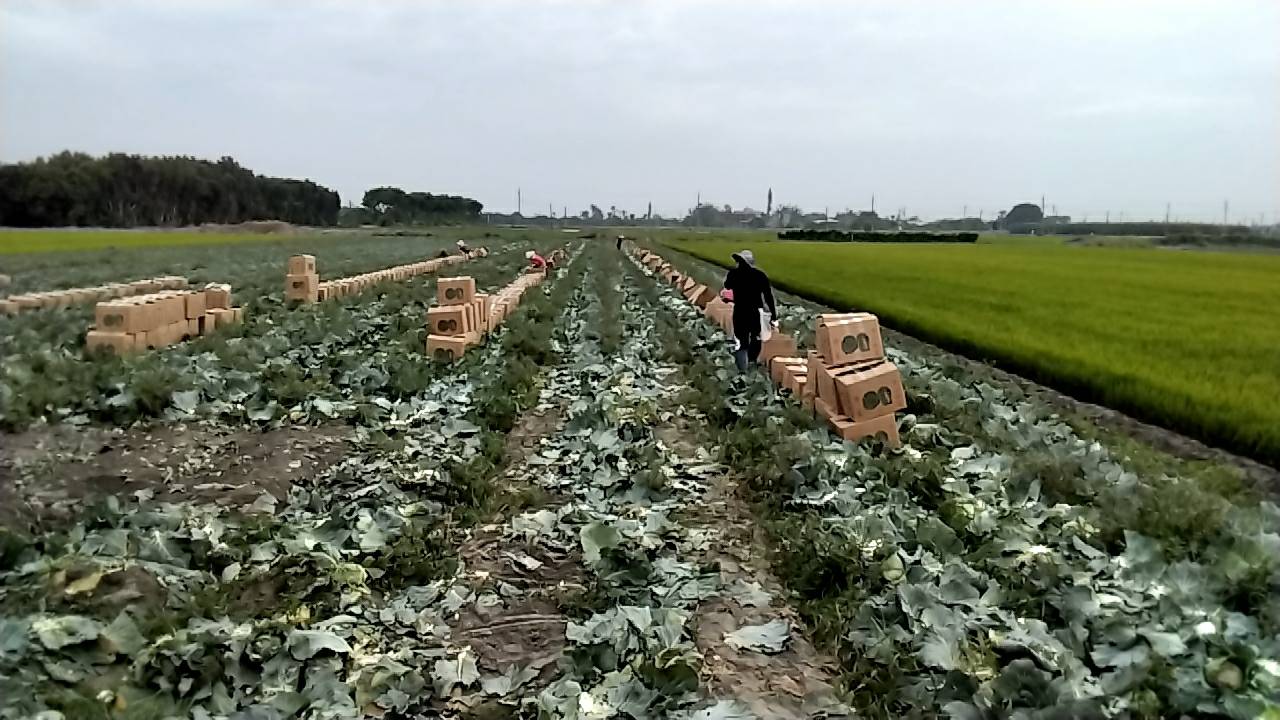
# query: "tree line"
394,206
119,190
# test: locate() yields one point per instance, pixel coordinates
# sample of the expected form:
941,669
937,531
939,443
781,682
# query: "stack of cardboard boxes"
302,282
145,322
15,304
850,383
462,317
846,379
458,320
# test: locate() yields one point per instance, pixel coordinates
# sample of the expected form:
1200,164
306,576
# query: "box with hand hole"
448,319
455,290
848,338
870,391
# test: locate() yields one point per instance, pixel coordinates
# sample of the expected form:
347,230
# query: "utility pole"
1224,212
1167,207
699,203
873,203
1042,205
1108,216
964,213
519,201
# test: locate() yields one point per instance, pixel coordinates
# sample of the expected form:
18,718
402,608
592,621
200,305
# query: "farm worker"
752,293
536,261
620,239
463,249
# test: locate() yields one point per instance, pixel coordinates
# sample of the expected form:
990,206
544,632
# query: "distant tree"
585,215
1024,213
391,205
120,190
597,215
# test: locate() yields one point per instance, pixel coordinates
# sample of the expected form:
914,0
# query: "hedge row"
877,237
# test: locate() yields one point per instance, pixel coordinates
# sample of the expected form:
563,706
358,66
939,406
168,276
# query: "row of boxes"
156,320
462,317
845,380
302,282
15,304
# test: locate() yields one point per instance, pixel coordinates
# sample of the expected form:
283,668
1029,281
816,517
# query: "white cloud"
932,105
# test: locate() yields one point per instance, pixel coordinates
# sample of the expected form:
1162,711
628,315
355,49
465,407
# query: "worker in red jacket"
536,261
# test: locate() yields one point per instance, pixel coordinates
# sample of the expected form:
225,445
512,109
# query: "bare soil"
798,682
48,474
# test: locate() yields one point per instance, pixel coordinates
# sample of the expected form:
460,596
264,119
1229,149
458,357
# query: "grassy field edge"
1109,390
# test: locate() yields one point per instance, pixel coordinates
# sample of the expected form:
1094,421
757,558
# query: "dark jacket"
751,289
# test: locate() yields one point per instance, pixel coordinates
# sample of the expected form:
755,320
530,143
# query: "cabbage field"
1185,340
590,516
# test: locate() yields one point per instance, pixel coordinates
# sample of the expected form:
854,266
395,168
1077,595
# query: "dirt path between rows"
709,561
49,474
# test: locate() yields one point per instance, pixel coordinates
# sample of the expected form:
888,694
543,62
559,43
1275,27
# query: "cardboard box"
701,295
222,317
870,391
778,366
794,379
302,265
450,320
207,323
122,317
153,339
237,315
778,345
116,343
193,328
446,348
217,297
194,305
302,288
854,337
455,290
823,409
883,429
9,307
174,307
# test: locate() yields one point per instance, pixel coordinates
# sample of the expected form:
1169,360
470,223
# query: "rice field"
1187,340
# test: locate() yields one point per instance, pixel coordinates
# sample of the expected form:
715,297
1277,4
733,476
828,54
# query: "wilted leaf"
513,678
186,400
61,631
231,572
304,644
750,594
597,536
770,637
123,635
449,673
86,584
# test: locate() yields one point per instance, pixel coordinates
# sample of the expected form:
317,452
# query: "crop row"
999,564
259,610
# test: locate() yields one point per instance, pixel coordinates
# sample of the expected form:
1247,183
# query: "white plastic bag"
766,325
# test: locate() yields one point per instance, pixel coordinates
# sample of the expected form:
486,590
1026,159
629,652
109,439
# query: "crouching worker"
753,307
537,263
463,250
556,258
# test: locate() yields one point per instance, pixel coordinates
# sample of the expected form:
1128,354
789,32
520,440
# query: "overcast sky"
932,106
